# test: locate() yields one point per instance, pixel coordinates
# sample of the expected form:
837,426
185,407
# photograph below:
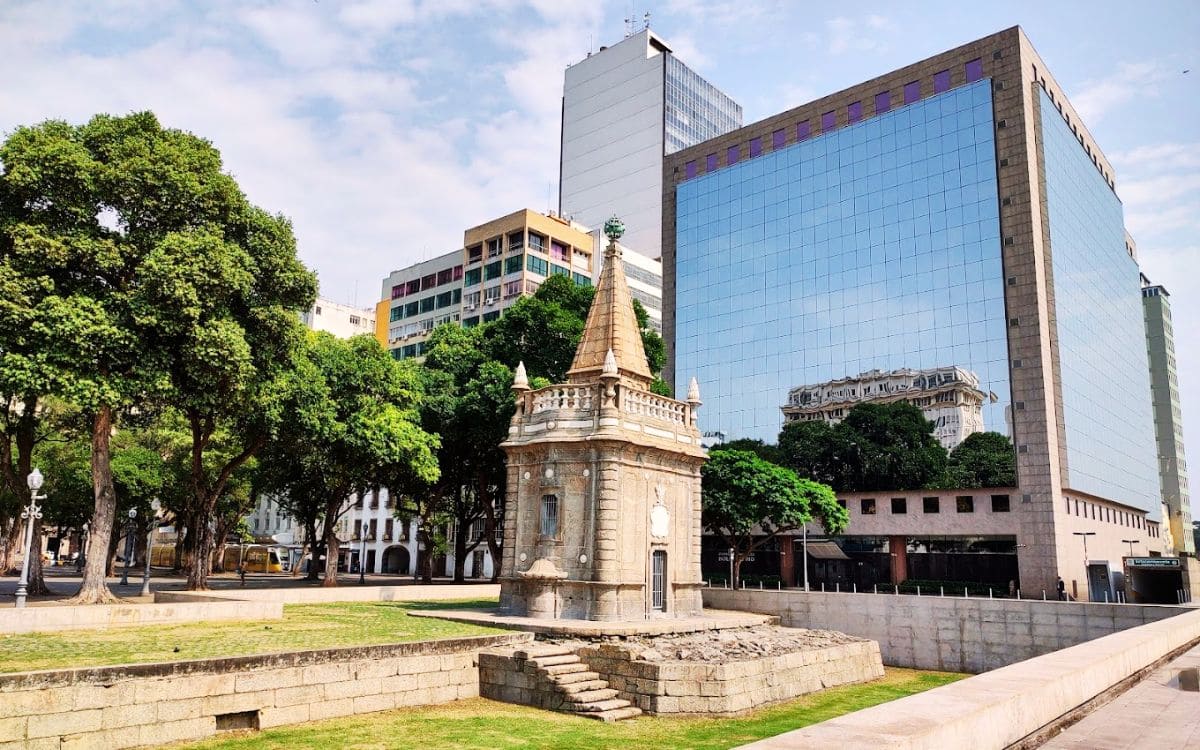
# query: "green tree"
765,451
983,459
747,502
357,424
133,271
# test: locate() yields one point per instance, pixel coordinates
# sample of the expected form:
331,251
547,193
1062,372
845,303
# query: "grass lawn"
487,725
304,626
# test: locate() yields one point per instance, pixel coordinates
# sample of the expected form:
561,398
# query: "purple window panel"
710,162
397,291
777,138
803,130
828,121
941,82
912,92
755,147
854,112
689,169
883,102
974,70
731,155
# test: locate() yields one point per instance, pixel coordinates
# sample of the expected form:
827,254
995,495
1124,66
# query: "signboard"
724,557
1152,562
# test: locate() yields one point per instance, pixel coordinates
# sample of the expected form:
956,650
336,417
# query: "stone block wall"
949,633
153,704
68,617
676,687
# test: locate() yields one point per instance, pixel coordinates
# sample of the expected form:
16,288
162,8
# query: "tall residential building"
341,320
1168,417
954,212
624,108
416,300
511,256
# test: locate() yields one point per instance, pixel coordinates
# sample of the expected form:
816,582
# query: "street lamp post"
804,544
128,545
154,506
1085,535
1131,542
31,513
362,560
83,540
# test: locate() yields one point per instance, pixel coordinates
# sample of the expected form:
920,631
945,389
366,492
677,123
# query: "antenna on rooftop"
646,20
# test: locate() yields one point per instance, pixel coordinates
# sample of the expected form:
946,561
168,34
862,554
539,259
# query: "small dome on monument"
693,394
610,365
520,379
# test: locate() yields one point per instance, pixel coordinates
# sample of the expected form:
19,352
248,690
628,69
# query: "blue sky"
384,128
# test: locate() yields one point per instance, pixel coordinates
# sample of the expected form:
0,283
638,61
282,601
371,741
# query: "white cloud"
1129,81
870,34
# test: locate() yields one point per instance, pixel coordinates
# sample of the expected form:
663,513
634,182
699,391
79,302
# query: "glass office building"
1106,397
694,109
875,246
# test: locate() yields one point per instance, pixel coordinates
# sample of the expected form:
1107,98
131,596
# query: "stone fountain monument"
602,517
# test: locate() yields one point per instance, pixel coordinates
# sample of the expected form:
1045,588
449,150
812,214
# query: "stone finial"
520,379
693,394
610,366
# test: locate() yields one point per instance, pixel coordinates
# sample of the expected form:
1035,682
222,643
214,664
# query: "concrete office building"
1168,417
416,300
643,274
341,320
948,396
624,108
509,257
953,212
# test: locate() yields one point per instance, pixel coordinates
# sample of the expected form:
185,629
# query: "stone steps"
601,706
556,669
588,697
614,714
551,661
575,678
575,688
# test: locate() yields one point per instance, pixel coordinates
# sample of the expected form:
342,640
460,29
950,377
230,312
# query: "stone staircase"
553,677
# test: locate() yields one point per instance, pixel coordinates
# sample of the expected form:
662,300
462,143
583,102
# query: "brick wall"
153,704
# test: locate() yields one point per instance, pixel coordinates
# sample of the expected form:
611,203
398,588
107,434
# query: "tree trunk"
425,552
737,569
94,589
110,556
12,529
201,558
332,506
460,552
314,550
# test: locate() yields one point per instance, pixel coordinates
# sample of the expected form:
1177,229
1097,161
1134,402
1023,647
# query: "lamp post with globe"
31,513
153,525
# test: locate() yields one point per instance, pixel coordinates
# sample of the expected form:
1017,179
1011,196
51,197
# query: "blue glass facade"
1102,343
875,246
694,109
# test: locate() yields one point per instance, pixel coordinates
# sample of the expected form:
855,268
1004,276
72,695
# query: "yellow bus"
257,558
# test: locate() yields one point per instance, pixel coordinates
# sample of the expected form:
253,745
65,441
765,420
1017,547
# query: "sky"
384,128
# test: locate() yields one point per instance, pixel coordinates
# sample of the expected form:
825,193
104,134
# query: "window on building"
457,273
689,169
867,505
537,265
883,102
710,162
549,526
912,91
516,241
582,279
494,247
375,498
845,505
473,277
413,287
471,321
396,313
899,505
854,112
445,299
1000,504
974,70
537,242
410,351
559,271
531,286
558,251
443,276
931,504
491,295
828,121
428,304
475,253
397,291
941,81
471,301
778,138
388,528
357,529
755,147
428,282
488,317
803,130
456,295
492,271
964,504
512,289
731,154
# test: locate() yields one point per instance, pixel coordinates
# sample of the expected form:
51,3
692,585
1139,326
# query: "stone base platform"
716,672
713,619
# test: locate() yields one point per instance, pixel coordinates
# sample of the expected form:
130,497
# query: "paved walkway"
713,619
1155,713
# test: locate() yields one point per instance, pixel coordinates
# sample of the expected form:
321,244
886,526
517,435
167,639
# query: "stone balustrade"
563,397
646,404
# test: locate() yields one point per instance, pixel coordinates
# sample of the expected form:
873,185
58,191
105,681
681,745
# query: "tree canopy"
983,459
748,501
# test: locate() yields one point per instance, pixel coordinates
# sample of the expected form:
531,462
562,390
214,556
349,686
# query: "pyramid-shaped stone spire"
611,328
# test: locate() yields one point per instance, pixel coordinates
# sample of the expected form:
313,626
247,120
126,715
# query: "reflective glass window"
828,121
941,81
974,70
854,112
912,91
883,102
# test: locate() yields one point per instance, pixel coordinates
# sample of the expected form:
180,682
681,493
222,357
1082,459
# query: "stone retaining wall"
998,709
953,634
71,617
322,595
675,687
153,704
